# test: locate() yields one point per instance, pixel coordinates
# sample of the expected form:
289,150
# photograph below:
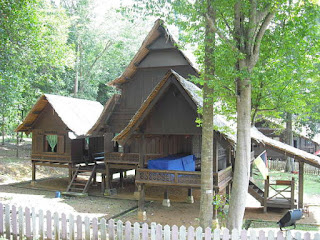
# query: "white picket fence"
29,224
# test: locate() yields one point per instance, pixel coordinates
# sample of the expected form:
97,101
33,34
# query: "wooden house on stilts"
58,125
153,120
150,127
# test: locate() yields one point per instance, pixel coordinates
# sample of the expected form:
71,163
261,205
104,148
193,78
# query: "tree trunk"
289,140
242,163
206,207
3,129
76,79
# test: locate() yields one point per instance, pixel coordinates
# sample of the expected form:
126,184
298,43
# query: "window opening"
51,142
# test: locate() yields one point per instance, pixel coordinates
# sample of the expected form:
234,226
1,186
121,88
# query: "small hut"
58,125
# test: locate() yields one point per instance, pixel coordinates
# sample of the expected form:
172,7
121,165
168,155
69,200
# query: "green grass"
269,224
310,181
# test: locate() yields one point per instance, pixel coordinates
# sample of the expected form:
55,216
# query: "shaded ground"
42,196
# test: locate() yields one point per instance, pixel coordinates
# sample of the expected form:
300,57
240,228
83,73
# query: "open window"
54,143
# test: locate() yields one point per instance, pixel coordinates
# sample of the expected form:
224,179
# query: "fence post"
71,227
190,233
95,232
40,224
183,233
175,232
120,230
7,220
111,229
317,236
127,231
49,225
307,236
243,235
144,231
199,233
56,226
28,223
79,227
153,231
271,235
1,219
225,234
262,235
21,225
86,228
216,234
235,234
34,224
63,226
14,222
159,232
288,235
166,232
280,235
103,232
207,233
136,231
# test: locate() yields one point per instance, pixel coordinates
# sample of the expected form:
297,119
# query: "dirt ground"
16,189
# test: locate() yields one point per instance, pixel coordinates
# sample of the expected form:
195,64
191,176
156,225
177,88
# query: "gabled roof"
226,127
105,115
143,51
78,115
301,132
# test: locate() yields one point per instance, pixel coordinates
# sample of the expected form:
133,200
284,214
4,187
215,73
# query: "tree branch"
252,26
260,34
108,44
213,27
225,21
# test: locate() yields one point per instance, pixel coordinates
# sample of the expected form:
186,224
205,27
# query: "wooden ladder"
256,192
80,188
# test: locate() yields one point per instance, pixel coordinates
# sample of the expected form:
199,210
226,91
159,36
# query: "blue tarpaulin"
173,162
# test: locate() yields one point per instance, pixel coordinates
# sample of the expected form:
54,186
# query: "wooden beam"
215,155
142,151
300,193
141,211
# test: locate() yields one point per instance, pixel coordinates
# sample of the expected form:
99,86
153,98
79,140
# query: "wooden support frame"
301,178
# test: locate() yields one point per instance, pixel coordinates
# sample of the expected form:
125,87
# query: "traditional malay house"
276,131
151,127
58,125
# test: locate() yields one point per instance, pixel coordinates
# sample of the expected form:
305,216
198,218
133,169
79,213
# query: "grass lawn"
310,181
269,224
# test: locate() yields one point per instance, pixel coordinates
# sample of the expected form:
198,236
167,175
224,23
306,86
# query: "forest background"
67,47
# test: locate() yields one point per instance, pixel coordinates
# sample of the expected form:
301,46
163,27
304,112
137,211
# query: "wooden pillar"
103,182
141,211
70,167
108,179
166,200
34,169
300,193
190,196
292,193
142,151
215,155
215,209
121,179
266,194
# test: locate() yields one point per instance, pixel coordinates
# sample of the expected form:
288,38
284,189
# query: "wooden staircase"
278,198
256,192
81,180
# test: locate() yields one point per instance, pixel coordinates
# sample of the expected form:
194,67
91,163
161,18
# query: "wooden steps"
256,192
81,181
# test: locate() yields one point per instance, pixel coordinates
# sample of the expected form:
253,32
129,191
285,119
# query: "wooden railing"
168,177
224,177
53,157
122,158
181,178
129,158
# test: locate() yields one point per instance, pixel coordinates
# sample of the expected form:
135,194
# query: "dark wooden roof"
143,51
